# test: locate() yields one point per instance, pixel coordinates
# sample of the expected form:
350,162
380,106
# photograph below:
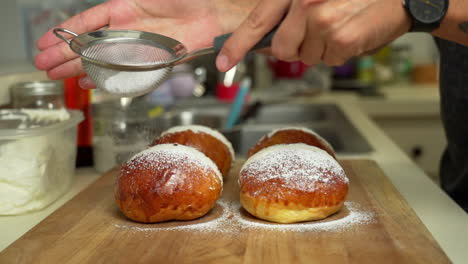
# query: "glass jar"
120,131
37,94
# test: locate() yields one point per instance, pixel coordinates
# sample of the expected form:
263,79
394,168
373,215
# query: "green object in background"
401,63
366,71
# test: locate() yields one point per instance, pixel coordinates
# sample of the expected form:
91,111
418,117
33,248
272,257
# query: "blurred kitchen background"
397,86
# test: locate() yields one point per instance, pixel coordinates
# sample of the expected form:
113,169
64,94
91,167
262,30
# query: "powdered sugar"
305,130
174,154
300,165
204,129
233,219
131,83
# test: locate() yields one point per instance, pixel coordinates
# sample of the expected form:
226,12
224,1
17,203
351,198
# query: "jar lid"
37,88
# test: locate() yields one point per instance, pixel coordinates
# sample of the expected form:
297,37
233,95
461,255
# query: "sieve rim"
79,43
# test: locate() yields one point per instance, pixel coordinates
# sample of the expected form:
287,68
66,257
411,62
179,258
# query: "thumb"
259,22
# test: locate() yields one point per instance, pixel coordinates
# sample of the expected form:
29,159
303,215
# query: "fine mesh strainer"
132,63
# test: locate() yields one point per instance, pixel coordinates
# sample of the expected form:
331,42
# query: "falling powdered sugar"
233,220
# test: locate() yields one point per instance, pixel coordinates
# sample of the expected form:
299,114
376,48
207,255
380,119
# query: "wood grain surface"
90,229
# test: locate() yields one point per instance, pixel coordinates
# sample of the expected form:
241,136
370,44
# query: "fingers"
328,38
68,69
341,45
86,83
353,28
260,21
89,20
54,56
290,35
313,46
71,69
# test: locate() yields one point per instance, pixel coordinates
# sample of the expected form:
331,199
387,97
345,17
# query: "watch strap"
422,27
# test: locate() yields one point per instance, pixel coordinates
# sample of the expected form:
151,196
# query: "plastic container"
38,94
37,157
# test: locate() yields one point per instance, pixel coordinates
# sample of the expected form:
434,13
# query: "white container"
37,157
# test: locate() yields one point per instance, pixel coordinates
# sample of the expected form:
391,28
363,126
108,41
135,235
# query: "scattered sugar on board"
301,166
355,216
232,221
222,224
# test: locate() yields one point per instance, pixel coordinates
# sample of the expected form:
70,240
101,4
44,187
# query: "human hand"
318,30
194,25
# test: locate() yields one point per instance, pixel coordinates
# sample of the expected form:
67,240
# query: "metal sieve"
132,63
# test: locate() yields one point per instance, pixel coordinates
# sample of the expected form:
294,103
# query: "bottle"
79,99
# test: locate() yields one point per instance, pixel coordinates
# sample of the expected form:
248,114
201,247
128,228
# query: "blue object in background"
239,101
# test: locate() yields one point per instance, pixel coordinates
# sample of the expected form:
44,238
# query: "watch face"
427,11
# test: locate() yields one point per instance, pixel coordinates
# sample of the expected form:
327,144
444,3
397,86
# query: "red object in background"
226,93
79,99
284,69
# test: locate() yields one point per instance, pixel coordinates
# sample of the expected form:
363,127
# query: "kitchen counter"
404,99
447,222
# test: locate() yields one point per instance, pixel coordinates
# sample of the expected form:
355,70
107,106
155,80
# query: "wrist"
406,19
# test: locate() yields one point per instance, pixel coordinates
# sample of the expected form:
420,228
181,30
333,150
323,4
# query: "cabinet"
421,137
410,116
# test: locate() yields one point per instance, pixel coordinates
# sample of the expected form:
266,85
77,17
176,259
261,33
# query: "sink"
212,116
328,120
286,113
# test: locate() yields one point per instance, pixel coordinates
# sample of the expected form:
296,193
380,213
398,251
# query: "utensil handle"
239,101
263,43
60,36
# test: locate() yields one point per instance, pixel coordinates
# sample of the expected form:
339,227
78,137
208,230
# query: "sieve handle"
263,43
60,36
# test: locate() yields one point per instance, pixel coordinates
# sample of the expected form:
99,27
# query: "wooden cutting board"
90,229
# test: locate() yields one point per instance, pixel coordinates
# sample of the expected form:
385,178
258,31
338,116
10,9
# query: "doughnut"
291,135
167,182
292,183
209,141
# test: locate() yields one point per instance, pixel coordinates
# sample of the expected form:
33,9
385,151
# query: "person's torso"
454,112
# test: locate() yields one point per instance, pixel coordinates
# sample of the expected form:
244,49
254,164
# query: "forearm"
454,27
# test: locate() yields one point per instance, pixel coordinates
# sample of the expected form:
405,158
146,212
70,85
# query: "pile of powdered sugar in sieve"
232,221
133,82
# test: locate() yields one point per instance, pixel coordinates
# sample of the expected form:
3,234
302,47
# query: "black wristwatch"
426,15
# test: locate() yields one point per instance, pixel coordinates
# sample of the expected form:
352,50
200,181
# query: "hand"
312,31
193,24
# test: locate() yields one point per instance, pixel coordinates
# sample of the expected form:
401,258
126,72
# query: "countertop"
447,222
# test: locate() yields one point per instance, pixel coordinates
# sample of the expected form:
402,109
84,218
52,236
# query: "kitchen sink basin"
328,120
284,113
213,116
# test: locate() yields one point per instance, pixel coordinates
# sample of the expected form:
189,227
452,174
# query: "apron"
454,112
